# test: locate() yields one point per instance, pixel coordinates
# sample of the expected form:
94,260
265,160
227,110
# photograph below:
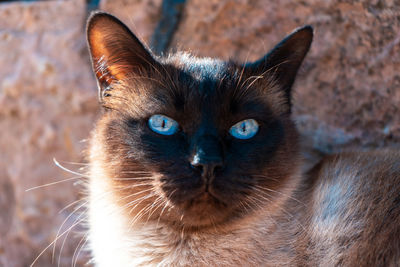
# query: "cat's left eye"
163,125
245,129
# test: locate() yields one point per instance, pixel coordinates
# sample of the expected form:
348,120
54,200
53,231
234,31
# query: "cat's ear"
283,61
115,51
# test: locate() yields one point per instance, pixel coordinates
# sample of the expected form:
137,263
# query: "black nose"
207,155
207,165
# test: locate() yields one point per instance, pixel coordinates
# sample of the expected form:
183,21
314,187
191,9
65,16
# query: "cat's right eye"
245,129
163,125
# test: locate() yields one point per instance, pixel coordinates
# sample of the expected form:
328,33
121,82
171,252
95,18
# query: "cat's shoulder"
364,178
355,207
378,167
360,177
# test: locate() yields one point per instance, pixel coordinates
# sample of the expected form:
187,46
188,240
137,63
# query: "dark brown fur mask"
199,173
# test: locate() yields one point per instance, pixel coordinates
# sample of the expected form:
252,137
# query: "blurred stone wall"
347,92
47,106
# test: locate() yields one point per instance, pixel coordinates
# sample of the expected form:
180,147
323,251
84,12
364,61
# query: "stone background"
347,93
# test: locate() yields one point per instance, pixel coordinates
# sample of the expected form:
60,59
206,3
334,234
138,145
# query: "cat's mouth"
203,208
204,196
207,196
201,202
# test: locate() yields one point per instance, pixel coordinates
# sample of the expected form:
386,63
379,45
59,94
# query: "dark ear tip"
95,15
99,16
93,19
307,28
306,31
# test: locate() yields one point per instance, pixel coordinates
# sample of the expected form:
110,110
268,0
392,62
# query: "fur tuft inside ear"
283,61
116,53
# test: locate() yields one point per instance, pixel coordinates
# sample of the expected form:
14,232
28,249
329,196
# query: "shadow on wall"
347,92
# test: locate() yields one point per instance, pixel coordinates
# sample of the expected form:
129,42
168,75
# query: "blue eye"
245,129
163,125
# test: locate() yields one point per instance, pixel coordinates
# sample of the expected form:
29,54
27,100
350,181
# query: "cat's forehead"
200,69
215,84
198,89
190,87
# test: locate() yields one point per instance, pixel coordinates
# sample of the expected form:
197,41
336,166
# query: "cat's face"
194,142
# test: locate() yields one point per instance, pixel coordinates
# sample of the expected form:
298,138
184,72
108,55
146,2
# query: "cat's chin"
206,209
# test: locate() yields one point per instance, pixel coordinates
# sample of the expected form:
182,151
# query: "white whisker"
68,170
71,204
55,240
53,183
75,256
65,220
271,190
75,163
132,178
165,206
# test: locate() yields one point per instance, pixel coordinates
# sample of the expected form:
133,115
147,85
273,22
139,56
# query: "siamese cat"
196,162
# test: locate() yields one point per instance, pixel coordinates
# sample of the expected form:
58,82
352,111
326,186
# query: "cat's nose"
207,156
207,165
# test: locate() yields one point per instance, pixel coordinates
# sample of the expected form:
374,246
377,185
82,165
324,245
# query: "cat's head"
191,141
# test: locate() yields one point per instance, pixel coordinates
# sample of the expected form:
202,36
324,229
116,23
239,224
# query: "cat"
196,162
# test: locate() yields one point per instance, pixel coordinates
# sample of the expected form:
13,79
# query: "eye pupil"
245,129
162,124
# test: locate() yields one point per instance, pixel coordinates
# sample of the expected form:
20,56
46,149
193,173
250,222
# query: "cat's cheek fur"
107,226
111,236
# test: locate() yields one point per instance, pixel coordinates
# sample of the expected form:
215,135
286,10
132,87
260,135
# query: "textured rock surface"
48,103
348,91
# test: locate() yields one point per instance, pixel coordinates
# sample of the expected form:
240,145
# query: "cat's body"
216,181
353,210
